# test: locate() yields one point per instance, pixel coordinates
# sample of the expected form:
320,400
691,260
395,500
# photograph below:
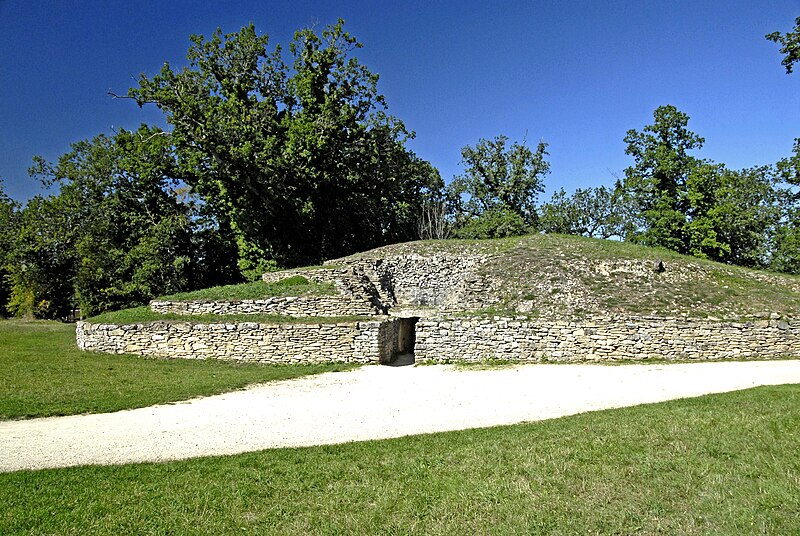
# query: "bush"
493,223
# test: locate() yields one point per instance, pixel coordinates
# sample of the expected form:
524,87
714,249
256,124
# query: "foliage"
732,214
496,222
42,262
790,45
499,180
717,464
656,184
134,232
593,212
301,161
43,373
8,226
694,206
786,242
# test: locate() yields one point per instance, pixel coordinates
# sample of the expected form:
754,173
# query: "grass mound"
291,286
559,276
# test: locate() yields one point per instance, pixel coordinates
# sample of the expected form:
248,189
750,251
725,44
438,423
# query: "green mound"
291,286
559,276
552,276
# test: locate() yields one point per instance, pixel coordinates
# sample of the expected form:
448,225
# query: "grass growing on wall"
144,314
719,464
43,373
291,286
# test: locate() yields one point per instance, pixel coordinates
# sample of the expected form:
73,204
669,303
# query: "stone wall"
354,342
440,280
302,306
355,290
443,281
603,339
597,339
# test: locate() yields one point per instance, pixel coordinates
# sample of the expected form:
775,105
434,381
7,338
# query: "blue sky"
577,74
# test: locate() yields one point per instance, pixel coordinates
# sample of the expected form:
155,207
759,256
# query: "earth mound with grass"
536,276
556,276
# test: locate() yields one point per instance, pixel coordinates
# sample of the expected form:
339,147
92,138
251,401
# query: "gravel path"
372,402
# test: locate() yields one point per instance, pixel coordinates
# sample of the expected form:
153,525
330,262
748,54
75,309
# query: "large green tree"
121,229
786,248
497,193
42,261
693,206
655,186
732,214
300,159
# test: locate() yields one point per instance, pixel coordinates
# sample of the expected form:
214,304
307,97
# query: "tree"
786,243
496,222
301,161
731,214
8,224
593,212
496,195
786,248
42,261
129,234
655,186
790,45
433,223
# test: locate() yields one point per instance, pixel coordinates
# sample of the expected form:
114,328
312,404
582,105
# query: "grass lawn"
43,373
721,464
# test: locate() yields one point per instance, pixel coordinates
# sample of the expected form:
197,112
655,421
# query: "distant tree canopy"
593,212
672,199
8,225
300,159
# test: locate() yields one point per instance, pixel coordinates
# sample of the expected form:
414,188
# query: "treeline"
273,163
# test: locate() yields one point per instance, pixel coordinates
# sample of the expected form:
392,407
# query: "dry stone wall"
603,339
302,306
356,342
440,280
354,289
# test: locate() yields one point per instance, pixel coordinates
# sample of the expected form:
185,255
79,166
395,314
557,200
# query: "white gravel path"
372,402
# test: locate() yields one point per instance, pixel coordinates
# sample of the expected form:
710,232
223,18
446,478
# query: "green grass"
43,373
145,314
291,286
720,464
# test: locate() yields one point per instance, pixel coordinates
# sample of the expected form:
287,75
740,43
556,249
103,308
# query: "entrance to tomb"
403,353
406,335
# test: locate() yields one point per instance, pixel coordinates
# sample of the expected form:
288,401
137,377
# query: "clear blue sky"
577,74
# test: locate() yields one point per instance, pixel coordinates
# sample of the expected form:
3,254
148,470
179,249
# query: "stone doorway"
406,335
403,352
